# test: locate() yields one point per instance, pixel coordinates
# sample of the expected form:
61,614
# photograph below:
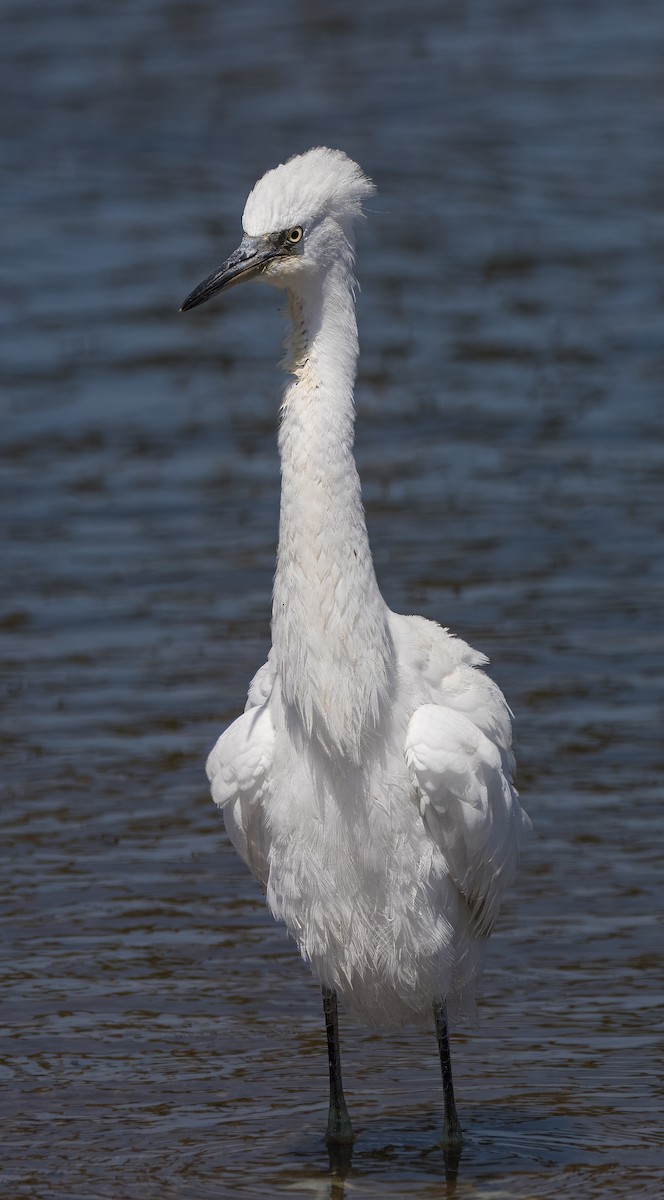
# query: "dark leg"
339,1128
452,1136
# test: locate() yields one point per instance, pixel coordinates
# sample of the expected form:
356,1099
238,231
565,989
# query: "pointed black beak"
251,257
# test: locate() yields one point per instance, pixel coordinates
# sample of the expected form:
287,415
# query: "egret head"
297,222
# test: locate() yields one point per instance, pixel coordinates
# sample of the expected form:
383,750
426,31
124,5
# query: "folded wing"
239,772
468,803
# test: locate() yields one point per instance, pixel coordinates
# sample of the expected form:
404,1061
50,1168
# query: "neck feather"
333,651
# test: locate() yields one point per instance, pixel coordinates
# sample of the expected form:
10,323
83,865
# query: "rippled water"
160,1036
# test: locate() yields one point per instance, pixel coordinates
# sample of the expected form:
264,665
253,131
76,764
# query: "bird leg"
452,1136
339,1128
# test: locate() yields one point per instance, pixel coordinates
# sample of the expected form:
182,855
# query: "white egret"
368,785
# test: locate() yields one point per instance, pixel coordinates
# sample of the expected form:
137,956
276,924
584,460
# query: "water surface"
160,1036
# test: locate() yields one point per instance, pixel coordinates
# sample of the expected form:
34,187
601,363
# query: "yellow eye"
295,235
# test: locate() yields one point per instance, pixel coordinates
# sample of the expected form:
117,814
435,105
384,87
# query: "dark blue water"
160,1036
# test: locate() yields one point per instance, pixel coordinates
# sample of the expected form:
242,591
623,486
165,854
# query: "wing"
468,804
261,684
239,772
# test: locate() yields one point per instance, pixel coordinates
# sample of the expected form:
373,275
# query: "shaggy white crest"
368,784
307,186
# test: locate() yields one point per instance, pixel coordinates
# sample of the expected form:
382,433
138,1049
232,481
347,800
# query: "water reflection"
341,1162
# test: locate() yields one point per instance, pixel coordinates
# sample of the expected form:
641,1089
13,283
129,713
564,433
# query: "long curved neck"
333,650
